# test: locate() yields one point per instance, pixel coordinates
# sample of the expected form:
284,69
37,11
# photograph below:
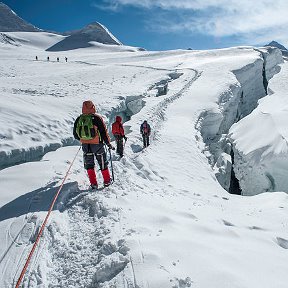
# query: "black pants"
145,140
119,144
94,150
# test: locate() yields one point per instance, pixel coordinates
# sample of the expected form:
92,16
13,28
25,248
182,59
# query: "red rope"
43,225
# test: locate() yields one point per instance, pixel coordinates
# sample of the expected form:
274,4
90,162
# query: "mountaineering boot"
94,186
92,178
106,177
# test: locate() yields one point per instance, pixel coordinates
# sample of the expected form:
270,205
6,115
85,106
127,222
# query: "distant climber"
145,131
66,59
57,59
48,58
36,58
90,130
119,134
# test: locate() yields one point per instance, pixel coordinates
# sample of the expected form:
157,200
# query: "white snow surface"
32,40
166,221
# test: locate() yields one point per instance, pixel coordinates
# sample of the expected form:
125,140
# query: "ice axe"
112,171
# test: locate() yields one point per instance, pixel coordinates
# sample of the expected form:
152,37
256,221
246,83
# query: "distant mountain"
94,32
11,22
281,47
276,44
81,38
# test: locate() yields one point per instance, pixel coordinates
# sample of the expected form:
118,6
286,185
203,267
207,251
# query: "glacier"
168,220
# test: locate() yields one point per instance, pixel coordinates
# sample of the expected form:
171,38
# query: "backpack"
117,128
145,129
85,128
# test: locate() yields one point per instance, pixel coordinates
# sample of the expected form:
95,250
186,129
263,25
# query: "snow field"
166,221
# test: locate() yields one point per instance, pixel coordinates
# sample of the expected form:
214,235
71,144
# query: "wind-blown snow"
166,221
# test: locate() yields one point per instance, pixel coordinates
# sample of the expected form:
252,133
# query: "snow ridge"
96,24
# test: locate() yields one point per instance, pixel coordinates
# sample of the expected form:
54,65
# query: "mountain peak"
93,25
277,45
93,32
11,22
100,33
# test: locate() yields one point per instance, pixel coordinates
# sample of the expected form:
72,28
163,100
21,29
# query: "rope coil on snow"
44,224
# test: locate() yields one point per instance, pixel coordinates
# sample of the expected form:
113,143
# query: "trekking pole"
112,171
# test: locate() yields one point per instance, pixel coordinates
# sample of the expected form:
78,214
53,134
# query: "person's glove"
125,138
110,146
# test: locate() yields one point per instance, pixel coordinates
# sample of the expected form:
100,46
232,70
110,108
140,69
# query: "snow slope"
83,77
166,221
40,40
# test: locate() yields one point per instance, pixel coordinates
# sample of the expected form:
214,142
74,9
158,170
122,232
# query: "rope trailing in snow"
44,224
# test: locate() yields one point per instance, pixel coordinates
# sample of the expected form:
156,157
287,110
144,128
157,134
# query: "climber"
145,130
118,132
90,130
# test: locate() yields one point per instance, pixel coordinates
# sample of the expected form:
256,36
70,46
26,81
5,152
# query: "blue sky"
166,24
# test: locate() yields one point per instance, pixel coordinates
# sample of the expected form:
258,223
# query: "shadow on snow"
40,200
